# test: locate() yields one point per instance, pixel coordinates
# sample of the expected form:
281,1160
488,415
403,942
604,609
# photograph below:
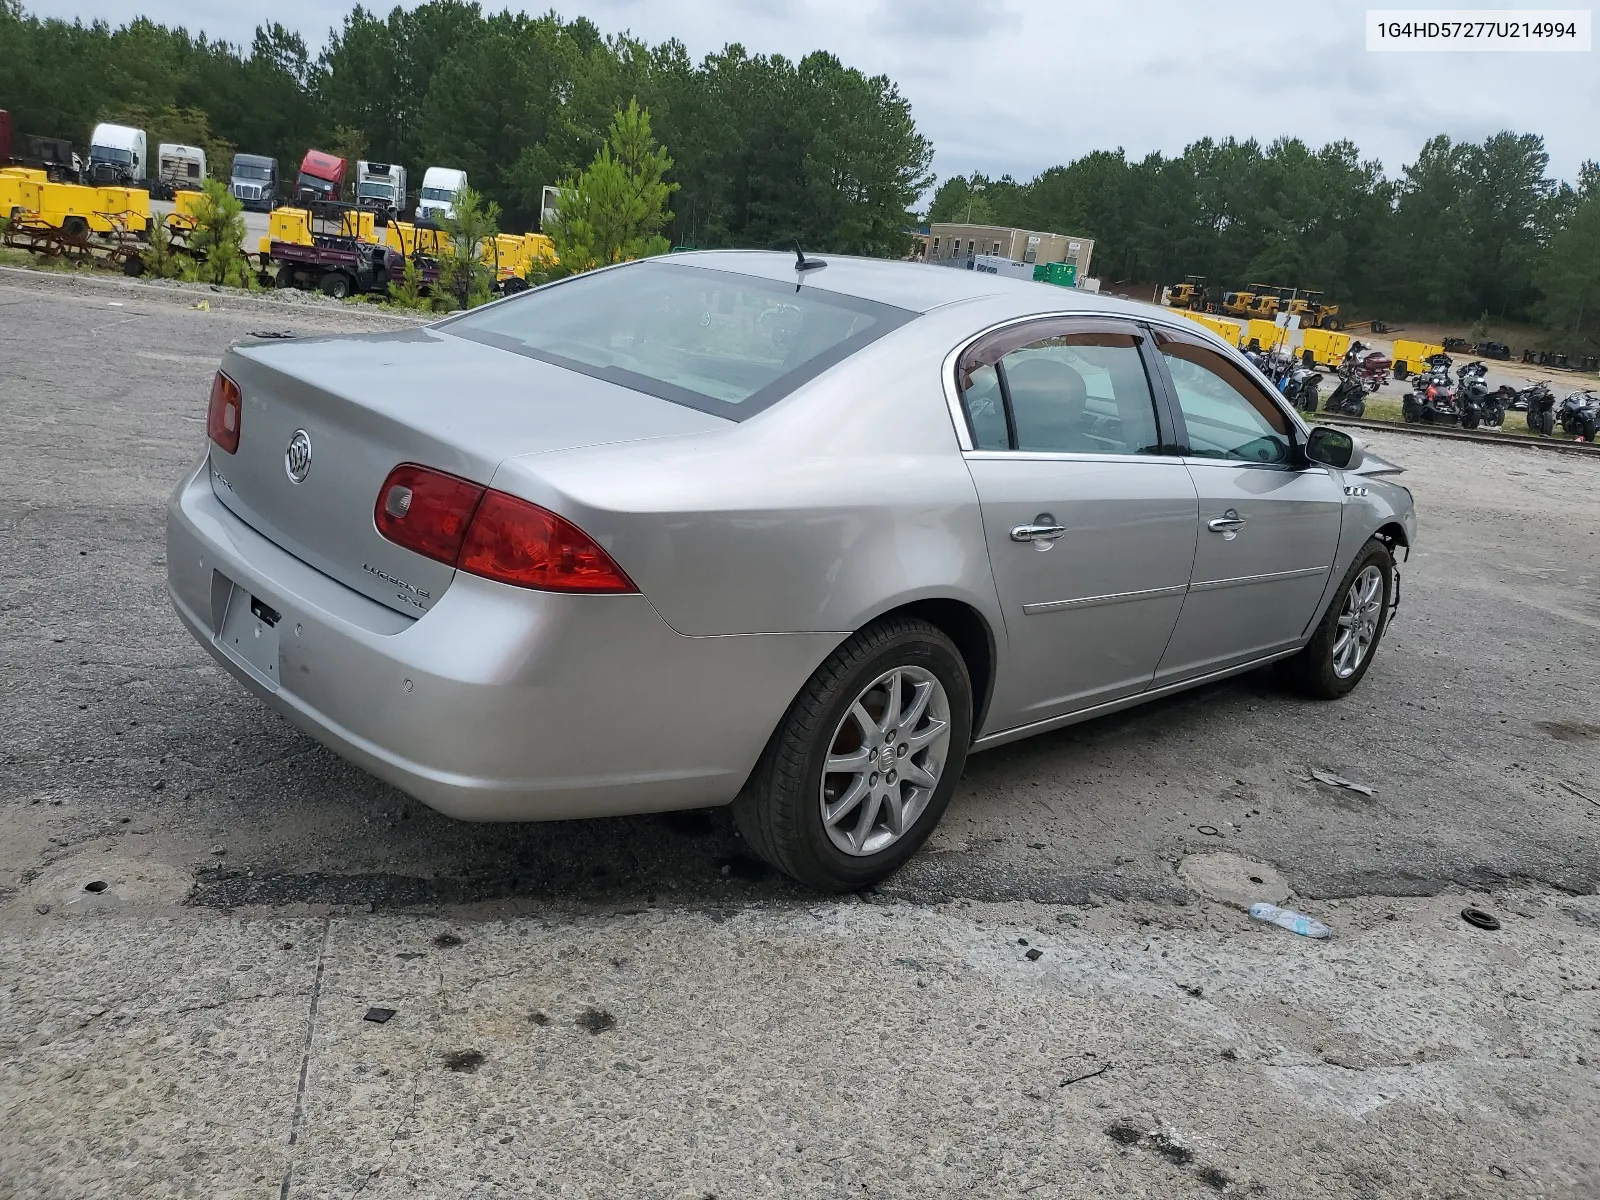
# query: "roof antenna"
802,263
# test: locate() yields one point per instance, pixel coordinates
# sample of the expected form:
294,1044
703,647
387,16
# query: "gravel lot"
635,1008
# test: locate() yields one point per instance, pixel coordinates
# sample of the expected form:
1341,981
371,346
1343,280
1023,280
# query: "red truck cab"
322,175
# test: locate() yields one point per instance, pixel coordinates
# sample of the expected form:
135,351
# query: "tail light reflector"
492,534
426,510
223,413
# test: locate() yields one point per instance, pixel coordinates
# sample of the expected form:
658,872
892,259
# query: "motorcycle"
1432,399
1299,386
1350,397
1477,404
1541,408
1580,414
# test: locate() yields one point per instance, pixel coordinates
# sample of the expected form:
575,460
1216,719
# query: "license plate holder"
249,634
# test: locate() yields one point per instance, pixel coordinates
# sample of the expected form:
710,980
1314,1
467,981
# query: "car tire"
335,284
782,809
1316,670
1401,370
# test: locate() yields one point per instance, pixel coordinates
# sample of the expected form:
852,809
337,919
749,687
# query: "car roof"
916,287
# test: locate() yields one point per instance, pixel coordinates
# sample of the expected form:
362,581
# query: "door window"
1060,387
1227,414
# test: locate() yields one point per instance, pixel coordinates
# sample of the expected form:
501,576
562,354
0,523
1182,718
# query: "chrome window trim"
958,414
1067,456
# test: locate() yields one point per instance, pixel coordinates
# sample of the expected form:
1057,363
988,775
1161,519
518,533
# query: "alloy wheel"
1359,618
885,760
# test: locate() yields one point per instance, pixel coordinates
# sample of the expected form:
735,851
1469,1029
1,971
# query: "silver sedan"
795,536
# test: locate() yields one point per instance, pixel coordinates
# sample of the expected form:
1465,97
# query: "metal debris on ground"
1100,1070
1480,919
1317,775
272,333
1288,918
378,1015
1034,955
1565,786
1208,830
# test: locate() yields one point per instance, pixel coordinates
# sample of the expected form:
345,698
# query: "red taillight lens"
426,510
520,543
223,413
491,534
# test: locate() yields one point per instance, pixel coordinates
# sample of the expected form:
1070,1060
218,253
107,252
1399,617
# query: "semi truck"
381,186
117,157
439,188
321,177
179,168
253,180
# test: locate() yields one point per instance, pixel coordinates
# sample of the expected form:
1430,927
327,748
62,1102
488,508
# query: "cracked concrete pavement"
196,1026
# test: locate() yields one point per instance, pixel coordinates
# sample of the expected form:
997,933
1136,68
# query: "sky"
1016,86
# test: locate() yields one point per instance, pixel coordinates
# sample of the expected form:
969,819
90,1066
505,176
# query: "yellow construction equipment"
1190,294
72,208
1313,313
1326,346
1411,357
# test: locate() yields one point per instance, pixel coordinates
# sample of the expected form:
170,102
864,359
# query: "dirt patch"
1570,731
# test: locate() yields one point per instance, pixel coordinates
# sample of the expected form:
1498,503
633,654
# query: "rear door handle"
1228,522
1042,528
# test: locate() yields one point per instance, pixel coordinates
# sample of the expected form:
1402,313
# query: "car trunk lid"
354,408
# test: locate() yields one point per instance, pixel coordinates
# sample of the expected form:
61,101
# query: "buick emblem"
297,458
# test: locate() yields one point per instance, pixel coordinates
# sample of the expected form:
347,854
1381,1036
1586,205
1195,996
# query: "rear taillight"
520,543
426,510
489,533
223,413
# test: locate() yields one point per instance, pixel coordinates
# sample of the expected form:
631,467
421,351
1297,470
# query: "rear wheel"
1547,423
285,277
862,765
1587,427
1347,637
1356,408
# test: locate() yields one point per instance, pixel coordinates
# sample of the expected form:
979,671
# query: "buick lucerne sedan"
794,535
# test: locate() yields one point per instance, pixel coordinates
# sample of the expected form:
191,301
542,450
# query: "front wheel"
336,284
1347,637
862,766
1547,423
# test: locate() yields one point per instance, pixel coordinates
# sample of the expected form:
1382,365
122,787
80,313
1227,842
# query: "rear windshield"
720,342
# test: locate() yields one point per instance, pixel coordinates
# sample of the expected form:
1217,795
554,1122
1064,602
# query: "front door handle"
1228,522
1042,529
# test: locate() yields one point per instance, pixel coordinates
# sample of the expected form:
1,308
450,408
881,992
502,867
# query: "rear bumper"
499,703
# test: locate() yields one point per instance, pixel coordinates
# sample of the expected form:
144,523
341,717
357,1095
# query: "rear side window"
1060,387
721,342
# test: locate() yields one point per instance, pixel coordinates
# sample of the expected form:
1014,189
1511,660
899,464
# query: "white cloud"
1020,85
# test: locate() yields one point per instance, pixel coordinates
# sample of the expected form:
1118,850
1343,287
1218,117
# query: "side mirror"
1333,448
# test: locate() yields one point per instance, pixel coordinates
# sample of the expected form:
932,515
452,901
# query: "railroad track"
1463,435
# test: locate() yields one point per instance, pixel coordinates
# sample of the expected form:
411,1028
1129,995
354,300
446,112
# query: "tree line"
1466,230
764,149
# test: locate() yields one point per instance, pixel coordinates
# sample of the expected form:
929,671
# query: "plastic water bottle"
1294,922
